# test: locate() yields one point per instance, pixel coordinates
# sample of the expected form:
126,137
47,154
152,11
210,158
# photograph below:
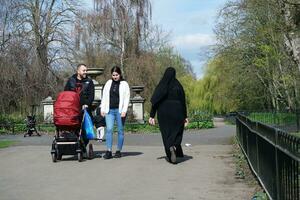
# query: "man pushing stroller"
84,86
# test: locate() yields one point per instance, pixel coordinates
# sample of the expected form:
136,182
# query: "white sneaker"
100,133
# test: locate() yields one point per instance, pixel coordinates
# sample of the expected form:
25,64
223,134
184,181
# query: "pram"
30,124
67,120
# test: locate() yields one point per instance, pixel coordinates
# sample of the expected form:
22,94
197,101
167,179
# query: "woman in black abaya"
168,100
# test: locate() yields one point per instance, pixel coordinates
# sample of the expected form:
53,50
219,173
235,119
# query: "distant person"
168,100
114,105
84,86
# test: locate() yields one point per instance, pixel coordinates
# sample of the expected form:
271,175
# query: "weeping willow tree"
252,67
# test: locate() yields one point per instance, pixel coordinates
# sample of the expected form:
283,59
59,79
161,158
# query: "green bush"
198,115
46,128
199,120
147,128
200,125
17,124
13,118
12,123
141,128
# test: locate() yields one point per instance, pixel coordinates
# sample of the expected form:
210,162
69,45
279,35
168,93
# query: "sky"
191,24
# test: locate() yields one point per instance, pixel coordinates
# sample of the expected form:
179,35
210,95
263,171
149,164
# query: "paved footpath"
206,172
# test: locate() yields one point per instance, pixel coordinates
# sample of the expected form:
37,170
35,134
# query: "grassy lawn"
296,134
6,143
274,118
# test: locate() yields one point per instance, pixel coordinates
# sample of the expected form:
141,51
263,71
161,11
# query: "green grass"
273,118
296,134
229,123
260,196
6,143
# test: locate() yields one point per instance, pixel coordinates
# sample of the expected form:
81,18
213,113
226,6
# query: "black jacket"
85,87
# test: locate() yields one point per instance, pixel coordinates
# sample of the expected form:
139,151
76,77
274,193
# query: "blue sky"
191,24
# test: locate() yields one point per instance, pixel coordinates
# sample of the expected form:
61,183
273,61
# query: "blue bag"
88,125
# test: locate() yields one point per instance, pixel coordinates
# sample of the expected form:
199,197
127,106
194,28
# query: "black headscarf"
161,89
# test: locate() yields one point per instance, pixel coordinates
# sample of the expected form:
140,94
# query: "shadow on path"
179,160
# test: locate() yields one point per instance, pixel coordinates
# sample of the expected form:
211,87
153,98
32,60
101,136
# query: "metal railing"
273,155
289,121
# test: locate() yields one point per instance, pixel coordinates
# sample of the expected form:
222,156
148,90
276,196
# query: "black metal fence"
289,121
273,155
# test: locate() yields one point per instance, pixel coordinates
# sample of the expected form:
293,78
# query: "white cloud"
198,68
194,41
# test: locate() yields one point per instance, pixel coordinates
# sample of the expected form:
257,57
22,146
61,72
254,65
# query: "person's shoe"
108,155
173,158
118,154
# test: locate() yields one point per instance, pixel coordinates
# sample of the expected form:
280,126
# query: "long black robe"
168,100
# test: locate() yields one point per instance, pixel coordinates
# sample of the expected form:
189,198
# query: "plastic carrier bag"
88,125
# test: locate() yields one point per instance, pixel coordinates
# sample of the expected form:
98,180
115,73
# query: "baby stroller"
67,120
30,124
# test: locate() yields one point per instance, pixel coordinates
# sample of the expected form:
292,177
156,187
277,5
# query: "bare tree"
6,18
34,41
120,25
45,23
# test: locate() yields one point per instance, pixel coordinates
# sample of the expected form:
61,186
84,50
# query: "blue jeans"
110,118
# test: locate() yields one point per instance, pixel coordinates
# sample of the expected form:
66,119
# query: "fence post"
277,166
257,150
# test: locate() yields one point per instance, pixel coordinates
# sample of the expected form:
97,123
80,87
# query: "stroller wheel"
91,152
59,156
54,158
80,157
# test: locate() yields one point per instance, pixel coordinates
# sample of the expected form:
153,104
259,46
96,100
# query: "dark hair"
80,64
118,70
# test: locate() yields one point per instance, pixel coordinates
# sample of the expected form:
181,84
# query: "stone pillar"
93,73
48,109
138,104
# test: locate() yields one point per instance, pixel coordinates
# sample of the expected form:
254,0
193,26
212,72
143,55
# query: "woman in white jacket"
114,105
